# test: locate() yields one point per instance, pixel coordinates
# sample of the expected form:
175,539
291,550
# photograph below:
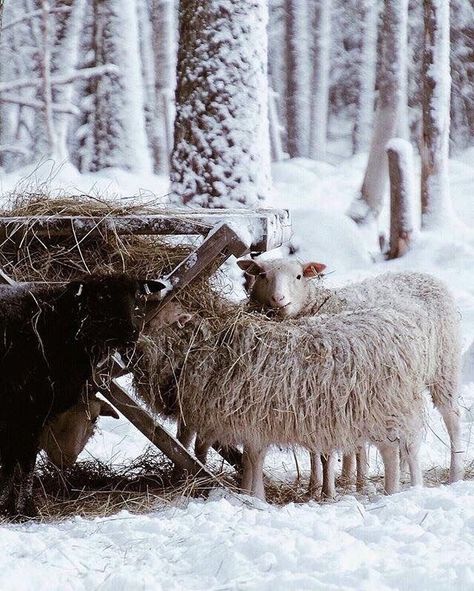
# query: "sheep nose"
278,299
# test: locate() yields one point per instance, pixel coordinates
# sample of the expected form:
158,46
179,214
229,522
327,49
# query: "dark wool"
51,340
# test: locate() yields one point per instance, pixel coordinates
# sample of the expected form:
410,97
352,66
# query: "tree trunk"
221,154
298,78
435,196
119,121
66,56
320,86
275,127
391,85
164,51
367,69
400,166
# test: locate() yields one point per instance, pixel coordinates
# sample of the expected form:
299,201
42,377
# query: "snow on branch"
32,14
57,107
82,74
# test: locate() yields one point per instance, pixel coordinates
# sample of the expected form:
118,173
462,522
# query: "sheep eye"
262,275
298,277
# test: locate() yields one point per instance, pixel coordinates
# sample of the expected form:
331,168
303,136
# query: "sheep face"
66,436
280,285
105,310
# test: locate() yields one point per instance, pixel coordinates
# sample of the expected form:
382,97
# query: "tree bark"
400,165
164,52
367,69
320,85
221,154
298,78
435,196
391,86
119,136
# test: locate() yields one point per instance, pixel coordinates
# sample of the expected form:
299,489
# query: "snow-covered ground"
418,539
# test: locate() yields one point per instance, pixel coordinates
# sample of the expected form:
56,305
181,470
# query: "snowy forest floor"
417,539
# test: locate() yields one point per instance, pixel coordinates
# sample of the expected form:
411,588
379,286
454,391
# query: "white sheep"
289,289
328,382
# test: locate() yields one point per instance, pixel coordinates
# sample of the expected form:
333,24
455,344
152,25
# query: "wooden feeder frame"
226,232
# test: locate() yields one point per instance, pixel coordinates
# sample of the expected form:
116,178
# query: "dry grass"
97,489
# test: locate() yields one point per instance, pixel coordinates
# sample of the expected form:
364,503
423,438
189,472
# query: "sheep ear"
150,286
313,269
107,410
250,267
183,319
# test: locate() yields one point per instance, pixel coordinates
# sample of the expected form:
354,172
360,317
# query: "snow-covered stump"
400,166
435,196
320,84
392,92
221,155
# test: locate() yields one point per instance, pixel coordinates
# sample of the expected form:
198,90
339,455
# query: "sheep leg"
391,461
450,416
252,478
201,449
362,468
316,475
184,434
413,459
348,469
329,487
247,472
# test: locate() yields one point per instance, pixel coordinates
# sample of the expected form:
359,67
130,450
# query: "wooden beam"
158,435
215,250
268,228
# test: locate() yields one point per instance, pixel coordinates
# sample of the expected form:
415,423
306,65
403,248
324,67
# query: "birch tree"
435,196
164,52
391,93
221,154
119,126
367,69
320,84
298,77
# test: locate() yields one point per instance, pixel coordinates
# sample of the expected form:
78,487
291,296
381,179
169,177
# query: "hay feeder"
225,232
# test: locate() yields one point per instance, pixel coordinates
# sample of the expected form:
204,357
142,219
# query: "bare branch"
84,73
32,14
57,107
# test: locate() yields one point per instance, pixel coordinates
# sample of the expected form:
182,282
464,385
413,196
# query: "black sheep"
51,340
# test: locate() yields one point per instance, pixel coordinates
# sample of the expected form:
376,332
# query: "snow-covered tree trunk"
66,56
221,154
119,123
298,77
435,196
402,226
367,70
391,85
320,85
164,50
275,127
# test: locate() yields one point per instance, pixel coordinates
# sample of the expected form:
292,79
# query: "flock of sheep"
330,371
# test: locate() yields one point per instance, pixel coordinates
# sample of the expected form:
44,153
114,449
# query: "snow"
418,539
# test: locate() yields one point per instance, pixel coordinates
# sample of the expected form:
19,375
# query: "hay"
29,257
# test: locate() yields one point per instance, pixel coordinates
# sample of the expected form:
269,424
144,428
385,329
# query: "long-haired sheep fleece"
419,294
326,382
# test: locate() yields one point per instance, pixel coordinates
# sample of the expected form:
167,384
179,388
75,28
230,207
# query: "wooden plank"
158,435
268,228
215,250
